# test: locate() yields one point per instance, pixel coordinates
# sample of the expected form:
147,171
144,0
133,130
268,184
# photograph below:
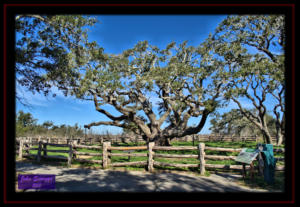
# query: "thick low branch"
30,15
120,118
111,123
146,107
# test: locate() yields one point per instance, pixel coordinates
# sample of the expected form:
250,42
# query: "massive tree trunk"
267,136
162,141
279,131
279,139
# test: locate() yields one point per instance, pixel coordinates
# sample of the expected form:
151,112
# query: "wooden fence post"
45,149
193,140
150,156
106,158
108,154
39,152
201,153
30,142
20,148
70,154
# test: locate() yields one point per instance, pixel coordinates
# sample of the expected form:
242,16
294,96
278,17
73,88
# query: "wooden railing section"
200,156
76,152
106,152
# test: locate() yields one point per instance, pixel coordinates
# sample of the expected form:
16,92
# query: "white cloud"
72,99
29,98
39,99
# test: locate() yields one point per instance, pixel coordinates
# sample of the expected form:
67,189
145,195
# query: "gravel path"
90,180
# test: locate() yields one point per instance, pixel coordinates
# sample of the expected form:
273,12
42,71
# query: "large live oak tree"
182,80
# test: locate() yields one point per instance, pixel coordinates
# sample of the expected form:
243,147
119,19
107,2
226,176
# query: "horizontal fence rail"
128,154
223,149
88,161
219,157
87,147
122,164
86,153
165,164
175,156
128,148
174,148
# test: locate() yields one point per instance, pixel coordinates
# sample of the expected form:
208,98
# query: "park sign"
247,155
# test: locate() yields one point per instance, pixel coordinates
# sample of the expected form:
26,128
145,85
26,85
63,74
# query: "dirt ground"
98,180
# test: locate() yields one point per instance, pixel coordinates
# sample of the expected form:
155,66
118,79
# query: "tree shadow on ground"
90,180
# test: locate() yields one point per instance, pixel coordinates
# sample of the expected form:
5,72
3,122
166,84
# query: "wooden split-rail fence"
105,151
132,139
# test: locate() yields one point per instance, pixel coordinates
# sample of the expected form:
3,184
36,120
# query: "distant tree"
54,127
25,119
47,124
234,123
24,123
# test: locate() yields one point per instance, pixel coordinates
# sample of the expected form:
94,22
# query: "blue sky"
116,33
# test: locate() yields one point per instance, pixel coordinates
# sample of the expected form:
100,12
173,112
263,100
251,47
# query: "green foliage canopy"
48,48
252,48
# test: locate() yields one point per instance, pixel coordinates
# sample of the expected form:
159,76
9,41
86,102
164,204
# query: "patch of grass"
125,159
258,182
50,148
207,173
178,160
89,150
95,158
232,144
222,162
